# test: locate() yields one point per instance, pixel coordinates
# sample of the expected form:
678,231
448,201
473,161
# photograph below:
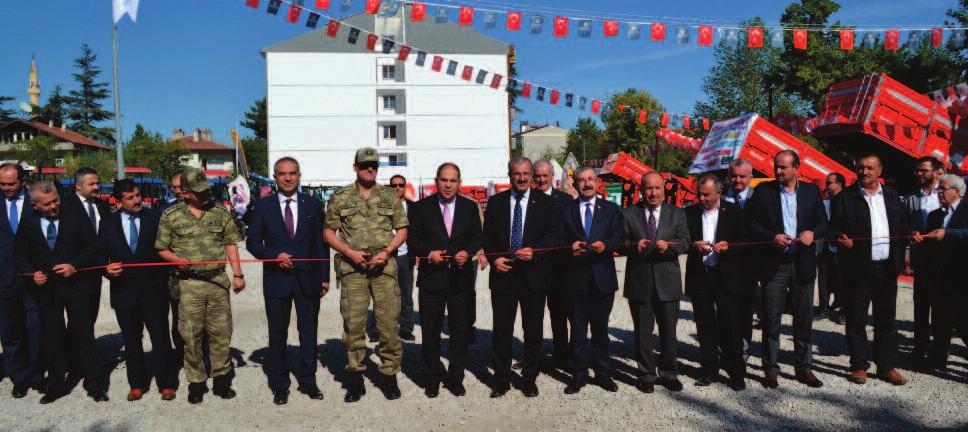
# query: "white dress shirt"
929,203
126,225
584,208
880,229
524,211
402,250
295,209
951,212
710,218
17,202
97,213
739,198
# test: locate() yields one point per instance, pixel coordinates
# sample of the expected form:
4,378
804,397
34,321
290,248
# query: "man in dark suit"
559,307
178,344
19,314
446,228
714,283
139,295
829,281
87,205
519,223
790,214
289,225
657,234
51,247
405,264
594,229
739,191
920,203
869,221
945,246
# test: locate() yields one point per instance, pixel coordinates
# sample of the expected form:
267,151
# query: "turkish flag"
686,122
800,39
643,116
754,38
705,35
466,16
418,11
322,4
705,123
665,120
514,21
658,31
561,27
937,36
890,39
371,41
526,90
596,106
621,107
847,39
554,97
404,53
496,81
372,6
466,74
252,3
293,14
611,28
437,64
332,28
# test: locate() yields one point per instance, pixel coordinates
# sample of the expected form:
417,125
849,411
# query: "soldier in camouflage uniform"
360,223
200,229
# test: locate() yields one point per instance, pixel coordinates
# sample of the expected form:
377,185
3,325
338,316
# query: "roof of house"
426,35
202,145
544,128
64,134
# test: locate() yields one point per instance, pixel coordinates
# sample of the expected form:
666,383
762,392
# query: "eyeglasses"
368,165
397,185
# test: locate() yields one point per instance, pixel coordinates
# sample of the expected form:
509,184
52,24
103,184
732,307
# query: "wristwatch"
240,276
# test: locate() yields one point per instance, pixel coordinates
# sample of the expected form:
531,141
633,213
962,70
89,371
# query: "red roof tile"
202,145
66,134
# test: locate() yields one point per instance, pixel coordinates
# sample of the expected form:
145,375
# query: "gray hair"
542,162
717,182
582,169
740,162
956,182
517,160
42,187
83,172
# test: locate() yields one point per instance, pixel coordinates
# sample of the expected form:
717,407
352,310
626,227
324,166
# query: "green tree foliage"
256,154
38,151
623,132
585,140
103,162
84,103
151,150
55,108
256,119
6,114
961,14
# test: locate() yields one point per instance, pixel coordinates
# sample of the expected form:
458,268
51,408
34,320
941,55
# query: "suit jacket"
542,229
267,238
8,240
71,203
951,254
427,233
916,222
76,245
764,220
731,228
850,215
136,285
607,227
651,270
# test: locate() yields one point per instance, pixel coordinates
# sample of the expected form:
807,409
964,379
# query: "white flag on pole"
122,7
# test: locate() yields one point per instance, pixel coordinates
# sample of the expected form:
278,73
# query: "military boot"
354,387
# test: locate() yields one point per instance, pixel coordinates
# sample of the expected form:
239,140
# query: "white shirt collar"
525,196
592,201
880,191
83,200
549,192
954,205
283,198
934,191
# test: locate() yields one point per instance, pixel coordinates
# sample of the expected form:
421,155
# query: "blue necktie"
92,214
588,221
133,233
13,215
51,233
517,226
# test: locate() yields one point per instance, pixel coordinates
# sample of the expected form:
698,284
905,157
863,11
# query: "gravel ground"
930,401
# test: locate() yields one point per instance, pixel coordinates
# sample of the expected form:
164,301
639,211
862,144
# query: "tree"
5,114
55,108
585,140
102,161
623,132
256,119
151,150
38,151
256,154
84,103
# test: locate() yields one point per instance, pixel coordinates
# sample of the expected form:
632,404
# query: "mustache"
587,188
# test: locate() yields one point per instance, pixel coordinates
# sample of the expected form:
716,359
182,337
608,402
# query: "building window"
390,103
393,160
388,72
390,132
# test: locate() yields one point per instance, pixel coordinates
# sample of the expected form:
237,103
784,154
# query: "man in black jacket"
446,228
869,221
86,204
139,295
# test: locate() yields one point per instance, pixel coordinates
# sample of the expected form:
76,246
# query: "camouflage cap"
195,180
366,154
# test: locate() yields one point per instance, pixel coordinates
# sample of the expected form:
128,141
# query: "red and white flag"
800,39
686,122
643,116
437,64
526,90
418,11
466,73
705,123
252,3
496,81
372,6
658,31
890,39
705,35
937,36
664,122
596,106
466,17
754,38
561,27
293,15
847,39
322,4
514,21
332,28
371,41
404,53
610,28
554,97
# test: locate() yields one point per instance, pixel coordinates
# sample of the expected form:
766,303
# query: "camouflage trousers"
355,293
205,308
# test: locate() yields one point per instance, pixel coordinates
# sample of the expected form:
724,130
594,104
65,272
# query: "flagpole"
118,144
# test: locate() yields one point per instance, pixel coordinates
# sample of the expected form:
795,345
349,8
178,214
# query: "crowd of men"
750,251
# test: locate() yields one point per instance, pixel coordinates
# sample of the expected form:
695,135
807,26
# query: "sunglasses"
397,185
368,165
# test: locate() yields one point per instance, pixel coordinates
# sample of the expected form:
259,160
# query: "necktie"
51,233
133,233
517,226
290,222
588,221
91,213
652,224
12,216
448,218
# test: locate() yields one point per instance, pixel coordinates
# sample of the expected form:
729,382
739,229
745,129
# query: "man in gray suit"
656,235
921,202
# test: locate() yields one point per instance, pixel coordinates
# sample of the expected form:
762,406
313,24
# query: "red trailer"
624,169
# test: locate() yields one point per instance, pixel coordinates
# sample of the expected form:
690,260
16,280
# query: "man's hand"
720,247
482,260
436,257
238,284
806,238
325,290
643,244
702,246
380,259
357,257
285,261
40,277
916,237
782,240
462,257
578,248
182,267
661,246
937,234
598,247
114,270
65,270
501,264
845,241
524,254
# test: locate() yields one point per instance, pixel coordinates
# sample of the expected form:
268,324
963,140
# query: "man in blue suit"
19,314
286,226
139,295
594,228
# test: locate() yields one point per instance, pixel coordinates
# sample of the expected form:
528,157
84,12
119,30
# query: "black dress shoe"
810,379
737,384
354,387
607,383
771,381
645,387
224,392
390,388
704,380
196,393
529,389
39,387
311,390
672,384
517,365
432,390
500,391
98,395
407,336
456,388
51,396
19,390
280,397
575,385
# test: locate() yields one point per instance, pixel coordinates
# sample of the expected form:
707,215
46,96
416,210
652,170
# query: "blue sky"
191,63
